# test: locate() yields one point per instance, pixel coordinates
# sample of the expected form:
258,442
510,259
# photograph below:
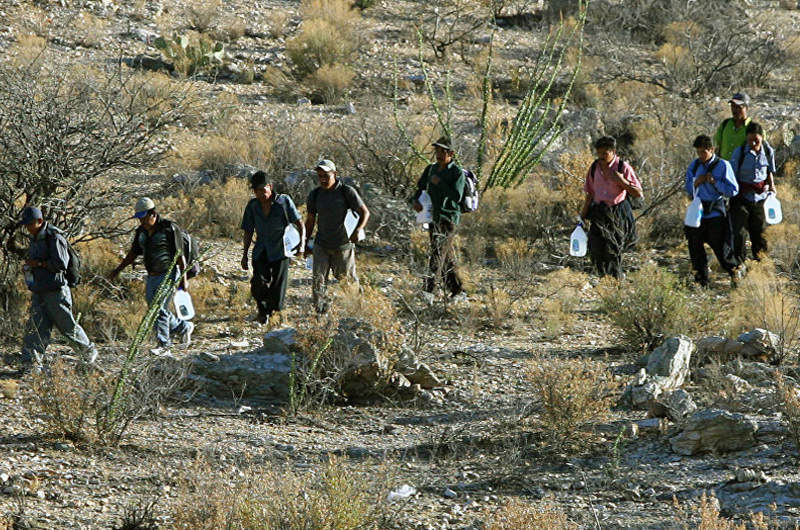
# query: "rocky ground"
465,447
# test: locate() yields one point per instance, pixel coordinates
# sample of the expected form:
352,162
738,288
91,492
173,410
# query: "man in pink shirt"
608,188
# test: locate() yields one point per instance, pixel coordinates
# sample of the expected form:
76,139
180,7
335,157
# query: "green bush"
646,307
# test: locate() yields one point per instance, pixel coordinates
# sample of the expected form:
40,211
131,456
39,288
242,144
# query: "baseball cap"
740,98
443,142
143,205
326,165
258,180
30,214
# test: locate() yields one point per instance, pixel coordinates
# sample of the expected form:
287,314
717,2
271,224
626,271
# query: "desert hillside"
546,398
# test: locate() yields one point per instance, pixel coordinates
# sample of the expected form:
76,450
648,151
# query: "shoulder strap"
741,157
713,165
281,199
592,168
693,166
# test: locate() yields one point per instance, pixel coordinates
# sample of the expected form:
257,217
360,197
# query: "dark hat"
741,99
258,180
443,142
30,214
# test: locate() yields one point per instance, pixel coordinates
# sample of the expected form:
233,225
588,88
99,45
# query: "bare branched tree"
67,134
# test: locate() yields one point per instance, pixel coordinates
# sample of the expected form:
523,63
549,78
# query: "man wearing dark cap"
51,298
731,132
334,248
268,215
444,183
157,239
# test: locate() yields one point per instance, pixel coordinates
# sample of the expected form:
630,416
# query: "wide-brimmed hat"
443,142
741,99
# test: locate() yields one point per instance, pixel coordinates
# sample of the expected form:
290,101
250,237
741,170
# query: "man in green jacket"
731,132
444,183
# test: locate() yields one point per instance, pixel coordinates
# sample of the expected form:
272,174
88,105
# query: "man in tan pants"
334,249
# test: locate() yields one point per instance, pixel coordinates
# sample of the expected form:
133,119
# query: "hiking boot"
187,335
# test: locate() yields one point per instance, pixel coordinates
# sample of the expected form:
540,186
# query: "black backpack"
637,203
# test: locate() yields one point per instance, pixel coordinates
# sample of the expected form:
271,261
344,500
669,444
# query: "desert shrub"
192,54
561,294
784,248
319,44
518,515
767,300
364,4
333,496
279,20
331,81
201,15
646,307
572,393
707,516
789,404
67,399
90,29
212,210
215,297
217,151
328,36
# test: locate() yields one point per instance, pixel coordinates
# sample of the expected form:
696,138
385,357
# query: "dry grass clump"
706,516
28,49
68,400
646,307
201,15
90,29
278,22
210,210
766,300
789,404
784,248
328,39
333,496
572,393
561,295
8,388
230,145
212,297
518,515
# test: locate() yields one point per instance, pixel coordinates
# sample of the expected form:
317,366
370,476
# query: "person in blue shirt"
710,178
268,215
754,166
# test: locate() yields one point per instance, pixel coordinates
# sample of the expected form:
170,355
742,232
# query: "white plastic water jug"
183,305
772,209
577,241
291,239
694,213
350,223
426,215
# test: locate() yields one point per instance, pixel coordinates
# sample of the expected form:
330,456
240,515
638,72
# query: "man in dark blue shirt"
51,298
268,215
711,179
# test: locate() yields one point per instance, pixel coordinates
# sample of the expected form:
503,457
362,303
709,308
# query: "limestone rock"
713,430
675,405
668,365
760,343
258,375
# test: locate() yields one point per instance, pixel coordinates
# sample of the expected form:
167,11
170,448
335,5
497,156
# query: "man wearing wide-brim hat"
444,182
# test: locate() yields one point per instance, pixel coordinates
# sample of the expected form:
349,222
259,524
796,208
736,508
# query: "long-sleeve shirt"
446,195
603,189
712,195
755,168
49,246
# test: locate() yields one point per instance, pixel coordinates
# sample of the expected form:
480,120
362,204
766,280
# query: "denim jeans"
48,309
167,322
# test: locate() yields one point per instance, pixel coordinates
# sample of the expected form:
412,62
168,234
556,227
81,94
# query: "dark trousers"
748,218
442,262
716,233
612,232
268,284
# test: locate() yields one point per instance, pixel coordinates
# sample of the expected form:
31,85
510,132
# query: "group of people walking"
266,217
732,175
